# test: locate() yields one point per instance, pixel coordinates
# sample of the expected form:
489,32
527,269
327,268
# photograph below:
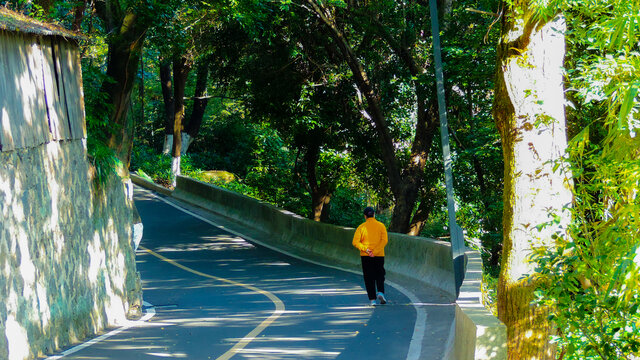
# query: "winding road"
217,295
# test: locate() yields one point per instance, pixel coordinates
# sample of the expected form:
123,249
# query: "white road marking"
151,311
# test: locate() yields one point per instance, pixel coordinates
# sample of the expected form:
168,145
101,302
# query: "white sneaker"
374,303
381,299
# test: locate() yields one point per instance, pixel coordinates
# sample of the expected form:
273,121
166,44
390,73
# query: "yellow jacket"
372,234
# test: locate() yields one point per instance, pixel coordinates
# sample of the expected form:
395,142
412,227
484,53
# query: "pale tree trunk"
181,68
187,140
168,143
529,113
167,94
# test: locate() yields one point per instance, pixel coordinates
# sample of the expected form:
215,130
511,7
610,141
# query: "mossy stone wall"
67,267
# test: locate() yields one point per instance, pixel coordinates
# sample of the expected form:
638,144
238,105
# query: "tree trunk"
320,192
78,15
125,47
405,200
529,113
200,102
326,208
169,105
181,68
427,204
141,91
320,201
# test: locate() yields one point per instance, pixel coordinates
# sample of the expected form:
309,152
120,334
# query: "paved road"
218,296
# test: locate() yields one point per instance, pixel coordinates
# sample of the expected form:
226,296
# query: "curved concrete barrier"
475,332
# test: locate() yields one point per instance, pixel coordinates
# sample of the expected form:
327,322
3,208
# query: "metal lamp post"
457,238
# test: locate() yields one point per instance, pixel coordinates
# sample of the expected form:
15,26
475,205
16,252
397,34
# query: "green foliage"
346,208
144,175
436,226
489,290
155,166
469,64
590,282
227,142
103,158
272,174
97,114
266,165
104,161
29,8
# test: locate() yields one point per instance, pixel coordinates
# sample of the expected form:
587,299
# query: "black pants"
373,271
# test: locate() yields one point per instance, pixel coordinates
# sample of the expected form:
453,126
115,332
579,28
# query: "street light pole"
457,238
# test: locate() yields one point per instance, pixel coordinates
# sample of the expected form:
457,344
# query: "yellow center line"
255,332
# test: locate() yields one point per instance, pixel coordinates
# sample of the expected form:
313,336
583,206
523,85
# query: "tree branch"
364,85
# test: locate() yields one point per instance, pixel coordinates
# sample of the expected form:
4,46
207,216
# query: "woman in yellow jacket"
370,238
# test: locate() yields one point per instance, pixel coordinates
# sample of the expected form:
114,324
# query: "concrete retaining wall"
67,269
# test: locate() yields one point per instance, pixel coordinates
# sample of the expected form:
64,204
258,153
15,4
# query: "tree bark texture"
125,47
529,113
200,100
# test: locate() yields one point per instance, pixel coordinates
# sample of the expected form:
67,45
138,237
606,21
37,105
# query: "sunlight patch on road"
271,353
212,243
279,263
168,355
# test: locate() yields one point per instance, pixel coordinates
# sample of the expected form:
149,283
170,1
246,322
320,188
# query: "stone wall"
67,268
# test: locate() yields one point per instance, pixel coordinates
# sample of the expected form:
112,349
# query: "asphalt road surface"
218,296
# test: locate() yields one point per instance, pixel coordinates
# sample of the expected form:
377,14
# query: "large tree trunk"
529,113
125,47
200,101
181,68
169,105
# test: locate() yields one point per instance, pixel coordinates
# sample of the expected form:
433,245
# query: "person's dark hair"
369,212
